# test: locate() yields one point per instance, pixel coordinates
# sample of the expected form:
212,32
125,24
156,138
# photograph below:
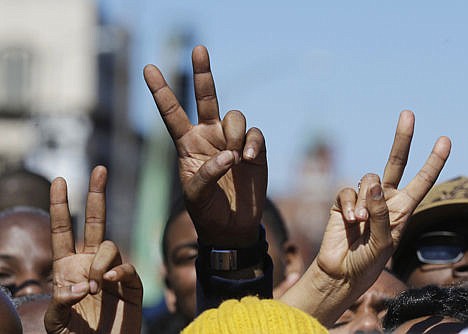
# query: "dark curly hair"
430,300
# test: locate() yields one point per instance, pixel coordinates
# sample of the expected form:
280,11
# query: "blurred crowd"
392,258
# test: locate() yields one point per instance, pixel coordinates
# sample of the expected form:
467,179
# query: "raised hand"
223,169
93,291
401,202
364,229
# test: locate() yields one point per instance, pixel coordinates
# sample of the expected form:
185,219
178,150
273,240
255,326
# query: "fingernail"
224,158
93,286
236,157
80,287
376,192
362,213
110,274
351,215
250,153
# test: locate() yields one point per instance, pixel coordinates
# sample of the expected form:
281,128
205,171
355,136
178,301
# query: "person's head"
179,249
251,315
23,187
434,247
31,310
430,309
25,251
287,260
366,314
9,319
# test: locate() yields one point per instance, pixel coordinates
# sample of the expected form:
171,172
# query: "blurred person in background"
25,251
31,310
180,249
434,247
23,187
9,320
367,313
430,309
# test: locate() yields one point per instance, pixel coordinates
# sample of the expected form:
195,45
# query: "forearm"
320,295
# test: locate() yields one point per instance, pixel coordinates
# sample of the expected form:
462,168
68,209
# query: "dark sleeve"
213,290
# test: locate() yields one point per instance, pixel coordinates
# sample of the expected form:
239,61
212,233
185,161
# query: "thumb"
58,313
203,184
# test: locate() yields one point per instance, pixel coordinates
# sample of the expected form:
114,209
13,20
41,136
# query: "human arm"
222,168
357,244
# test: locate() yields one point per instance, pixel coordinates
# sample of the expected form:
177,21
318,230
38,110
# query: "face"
32,316
277,256
450,252
183,250
9,320
181,277
366,314
25,254
431,324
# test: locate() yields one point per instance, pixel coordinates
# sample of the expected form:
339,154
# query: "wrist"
319,294
227,261
231,240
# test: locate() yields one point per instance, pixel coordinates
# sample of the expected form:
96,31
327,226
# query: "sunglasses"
441,247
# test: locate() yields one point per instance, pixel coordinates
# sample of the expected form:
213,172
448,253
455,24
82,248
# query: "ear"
293,259
171,299
293,269
169,295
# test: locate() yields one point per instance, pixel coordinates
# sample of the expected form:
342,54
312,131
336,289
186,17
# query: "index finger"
95,223
175,118
205,92
63,243
400,150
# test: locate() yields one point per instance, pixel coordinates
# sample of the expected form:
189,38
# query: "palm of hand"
222,167
348,250
69,271
400,207
93,291
230,206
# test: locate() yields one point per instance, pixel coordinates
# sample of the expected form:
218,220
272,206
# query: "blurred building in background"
113,143
47,88
306,206
64,102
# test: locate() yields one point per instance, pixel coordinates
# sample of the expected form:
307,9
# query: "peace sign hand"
402,202
223,169
93,290
364,229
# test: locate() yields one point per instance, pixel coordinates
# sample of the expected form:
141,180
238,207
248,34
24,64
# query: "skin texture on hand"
364,229
223,169
93,290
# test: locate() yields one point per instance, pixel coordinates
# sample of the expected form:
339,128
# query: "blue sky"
299,70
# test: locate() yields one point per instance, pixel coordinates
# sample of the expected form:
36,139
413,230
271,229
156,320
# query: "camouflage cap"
445,208
454,191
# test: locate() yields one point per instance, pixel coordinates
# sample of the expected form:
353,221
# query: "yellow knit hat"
251,315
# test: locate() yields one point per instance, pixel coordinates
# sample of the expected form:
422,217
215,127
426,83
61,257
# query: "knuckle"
61,226
370,177
380,212
130,269
95,220
109,245
397,160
